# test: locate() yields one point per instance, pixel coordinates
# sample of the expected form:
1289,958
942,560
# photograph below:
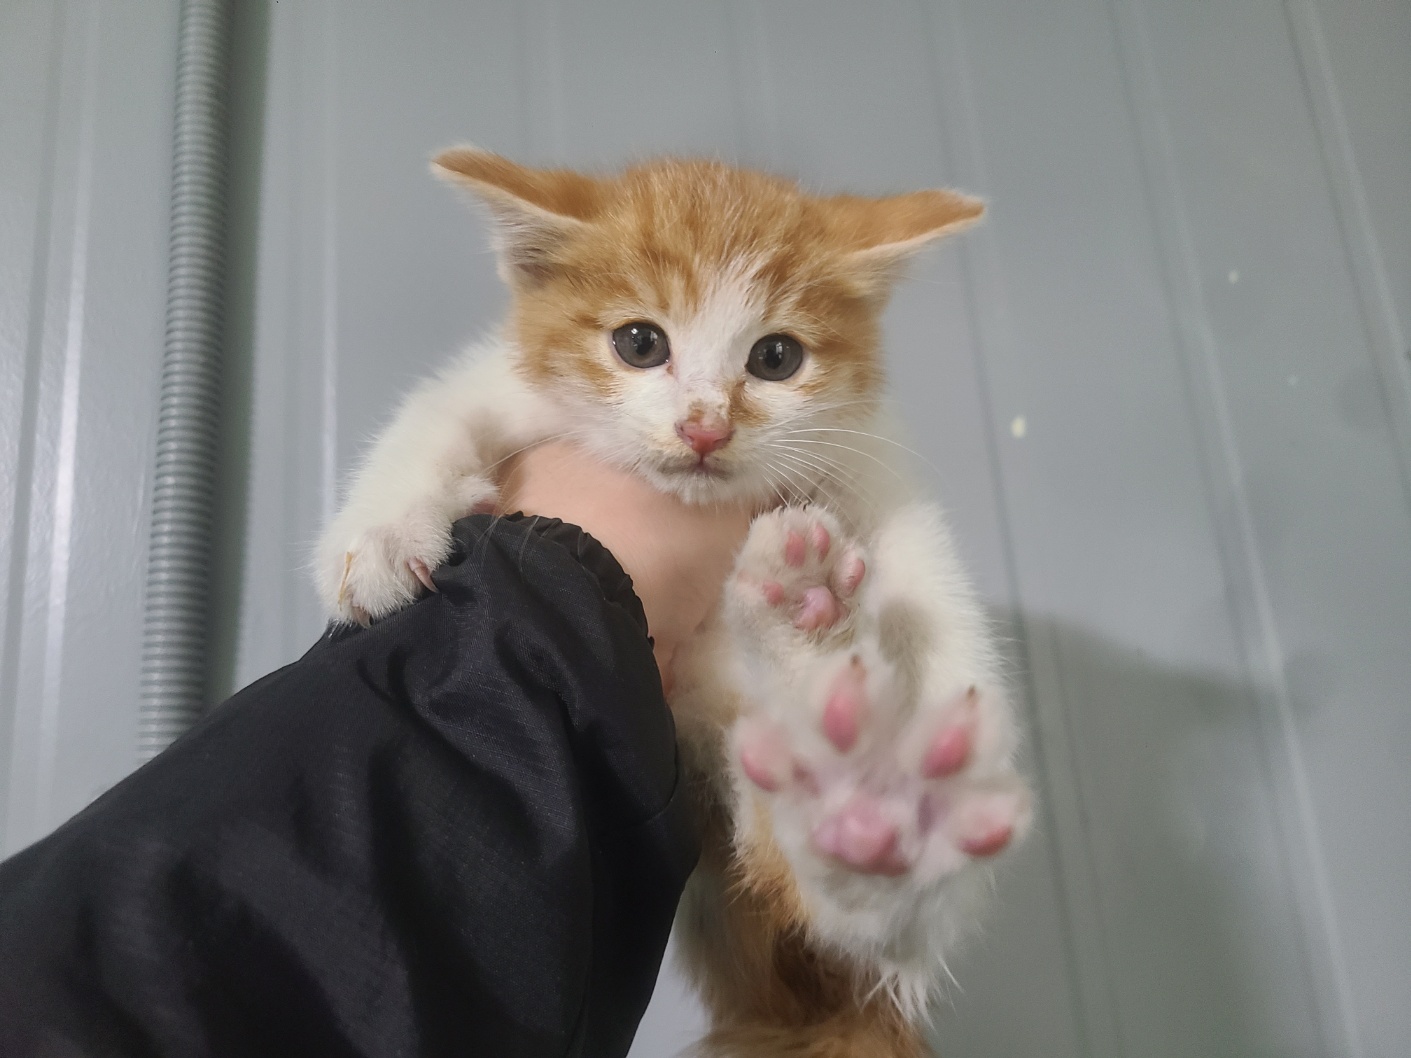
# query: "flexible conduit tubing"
174,627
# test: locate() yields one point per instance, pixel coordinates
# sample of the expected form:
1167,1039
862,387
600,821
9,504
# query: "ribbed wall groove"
178,564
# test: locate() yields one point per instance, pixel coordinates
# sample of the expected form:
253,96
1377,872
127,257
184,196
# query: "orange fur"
605,251
584,255
770,993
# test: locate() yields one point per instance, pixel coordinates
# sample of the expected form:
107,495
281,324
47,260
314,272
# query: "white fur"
432,464
436,461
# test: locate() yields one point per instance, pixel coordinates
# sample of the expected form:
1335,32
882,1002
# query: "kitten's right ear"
535,210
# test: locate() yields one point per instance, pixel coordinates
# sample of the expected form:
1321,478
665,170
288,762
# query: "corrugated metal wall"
1166,392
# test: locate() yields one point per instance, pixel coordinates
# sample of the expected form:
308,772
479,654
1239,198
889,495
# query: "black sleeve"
461,831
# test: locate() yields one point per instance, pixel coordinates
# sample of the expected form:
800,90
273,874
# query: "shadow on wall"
1152,912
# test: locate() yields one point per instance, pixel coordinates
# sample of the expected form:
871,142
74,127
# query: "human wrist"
676,554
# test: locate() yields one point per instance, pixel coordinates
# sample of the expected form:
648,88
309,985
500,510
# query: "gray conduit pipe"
174,626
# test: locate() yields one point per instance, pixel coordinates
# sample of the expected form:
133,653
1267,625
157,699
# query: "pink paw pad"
794,549
861,836
765,756
850,575
819,609
984,824
989,842
951,747
843,713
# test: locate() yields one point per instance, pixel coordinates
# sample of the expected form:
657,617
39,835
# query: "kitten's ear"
881,233
535,210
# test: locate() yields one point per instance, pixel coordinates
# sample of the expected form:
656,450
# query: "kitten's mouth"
699,467
706,468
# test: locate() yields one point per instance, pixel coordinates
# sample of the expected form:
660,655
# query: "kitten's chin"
706,484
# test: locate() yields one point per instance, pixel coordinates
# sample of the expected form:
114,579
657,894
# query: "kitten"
716,330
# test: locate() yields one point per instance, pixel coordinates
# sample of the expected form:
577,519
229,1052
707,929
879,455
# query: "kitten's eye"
775,357
641,344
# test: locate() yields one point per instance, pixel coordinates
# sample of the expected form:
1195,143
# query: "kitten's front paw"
368,571
367,574
798,572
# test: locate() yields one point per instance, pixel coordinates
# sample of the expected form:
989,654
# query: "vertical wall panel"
1324,483
86,89
1130,646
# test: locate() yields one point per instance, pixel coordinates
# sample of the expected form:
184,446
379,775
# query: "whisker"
873,436
519,451
858,451
837,465
816,472
777,483
838,494
799,497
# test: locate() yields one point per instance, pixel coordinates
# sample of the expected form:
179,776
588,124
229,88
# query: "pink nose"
704,437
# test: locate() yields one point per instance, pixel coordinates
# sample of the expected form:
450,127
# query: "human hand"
677,555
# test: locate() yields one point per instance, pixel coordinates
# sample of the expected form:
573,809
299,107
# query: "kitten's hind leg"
769,988
875,740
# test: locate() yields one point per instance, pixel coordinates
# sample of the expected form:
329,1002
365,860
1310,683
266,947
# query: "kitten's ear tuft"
535,210
881,233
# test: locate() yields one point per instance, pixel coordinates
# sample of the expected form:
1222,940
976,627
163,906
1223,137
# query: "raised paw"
379,554
870,791
797,568
370,572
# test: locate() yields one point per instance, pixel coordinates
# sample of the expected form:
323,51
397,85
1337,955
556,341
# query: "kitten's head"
696,321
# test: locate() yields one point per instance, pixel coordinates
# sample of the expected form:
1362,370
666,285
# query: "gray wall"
86,91
1166,394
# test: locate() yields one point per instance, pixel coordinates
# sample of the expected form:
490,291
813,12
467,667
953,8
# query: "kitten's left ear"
535,210
881,233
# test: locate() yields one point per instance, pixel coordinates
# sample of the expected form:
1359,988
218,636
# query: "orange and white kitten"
717,330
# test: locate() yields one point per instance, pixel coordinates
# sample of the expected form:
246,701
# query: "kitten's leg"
876,746
433,463
769,989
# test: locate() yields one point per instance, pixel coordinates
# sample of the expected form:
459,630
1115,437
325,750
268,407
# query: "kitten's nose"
704,436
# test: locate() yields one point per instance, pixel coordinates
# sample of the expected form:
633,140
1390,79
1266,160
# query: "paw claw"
370,570
422,573
343,584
